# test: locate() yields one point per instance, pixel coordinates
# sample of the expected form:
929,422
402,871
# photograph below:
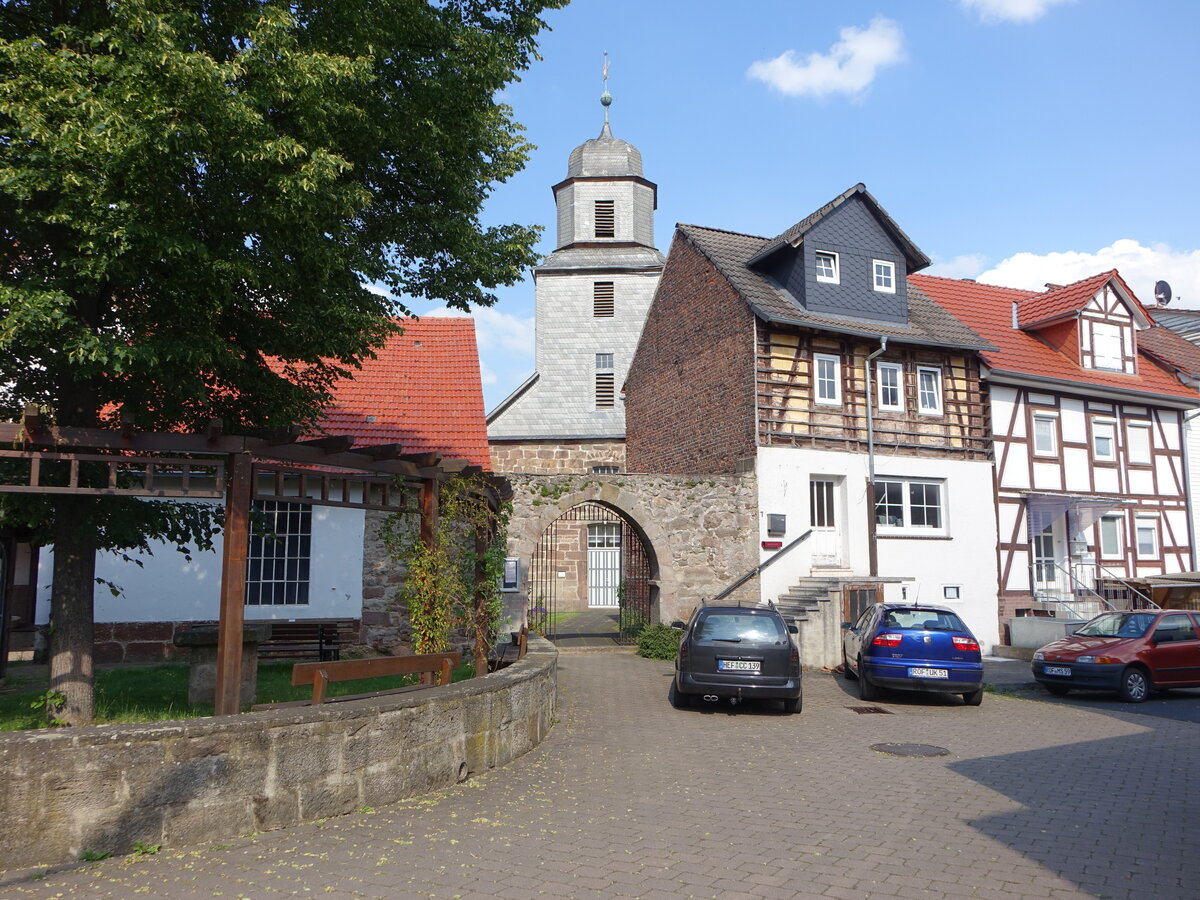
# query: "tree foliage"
193,194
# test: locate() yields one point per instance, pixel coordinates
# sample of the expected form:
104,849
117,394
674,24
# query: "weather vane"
606,97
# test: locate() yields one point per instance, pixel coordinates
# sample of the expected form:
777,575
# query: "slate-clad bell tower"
593,293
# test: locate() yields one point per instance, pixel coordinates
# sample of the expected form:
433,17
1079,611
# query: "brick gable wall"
690,393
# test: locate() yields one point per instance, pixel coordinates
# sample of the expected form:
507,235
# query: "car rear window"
1131,625
925,619
740,627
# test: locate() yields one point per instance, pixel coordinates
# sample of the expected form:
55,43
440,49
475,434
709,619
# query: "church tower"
592,296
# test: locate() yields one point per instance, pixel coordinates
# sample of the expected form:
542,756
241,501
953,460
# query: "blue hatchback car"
914,648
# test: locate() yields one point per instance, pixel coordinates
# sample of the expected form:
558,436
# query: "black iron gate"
558,564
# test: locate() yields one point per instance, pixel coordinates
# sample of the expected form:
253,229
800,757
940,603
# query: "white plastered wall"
168,588
966,558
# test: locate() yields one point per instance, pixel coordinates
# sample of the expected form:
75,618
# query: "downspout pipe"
871,544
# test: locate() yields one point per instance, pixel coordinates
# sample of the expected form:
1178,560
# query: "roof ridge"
757,237
983,284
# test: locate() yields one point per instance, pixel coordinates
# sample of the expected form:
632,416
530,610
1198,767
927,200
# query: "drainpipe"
871,544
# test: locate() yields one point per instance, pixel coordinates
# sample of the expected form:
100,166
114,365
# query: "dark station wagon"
737,653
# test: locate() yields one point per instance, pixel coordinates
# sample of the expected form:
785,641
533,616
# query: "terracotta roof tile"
988,310
423,390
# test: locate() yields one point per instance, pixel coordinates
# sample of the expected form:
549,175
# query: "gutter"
1021,379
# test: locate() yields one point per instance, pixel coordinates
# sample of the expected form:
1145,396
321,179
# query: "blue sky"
1015,141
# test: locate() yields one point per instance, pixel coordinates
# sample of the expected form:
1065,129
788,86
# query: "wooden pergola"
322,471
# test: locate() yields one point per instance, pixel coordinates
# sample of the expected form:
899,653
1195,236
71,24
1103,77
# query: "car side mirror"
792,629
677,625
846,626
1162,637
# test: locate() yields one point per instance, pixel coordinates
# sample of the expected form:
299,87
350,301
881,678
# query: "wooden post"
233,585
430,490
479,613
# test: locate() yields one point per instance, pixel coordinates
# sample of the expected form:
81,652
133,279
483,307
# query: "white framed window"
1045,434
1110,537
826,267
1104,440
951,591
929,391
604,360
909,504
1140,442
605,470
1106,347
277,561
828,371
885,275
890,394
1147,537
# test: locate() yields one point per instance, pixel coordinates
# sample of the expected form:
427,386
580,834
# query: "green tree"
192,196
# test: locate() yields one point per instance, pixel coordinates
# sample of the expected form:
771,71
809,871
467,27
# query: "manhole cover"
910,749
870,710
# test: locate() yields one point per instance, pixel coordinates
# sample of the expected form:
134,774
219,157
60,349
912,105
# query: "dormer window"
827,267
885,276
1106,347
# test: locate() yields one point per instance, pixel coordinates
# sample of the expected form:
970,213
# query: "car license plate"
738,665
928,673
1057,670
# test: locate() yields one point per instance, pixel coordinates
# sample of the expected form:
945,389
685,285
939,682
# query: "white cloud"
993,12
1140,266
848,68
495,330
968,265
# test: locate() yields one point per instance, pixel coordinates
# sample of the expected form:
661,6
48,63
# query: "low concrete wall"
1032,632
101,788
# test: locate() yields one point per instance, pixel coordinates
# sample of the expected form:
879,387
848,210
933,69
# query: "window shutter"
605,394
606,225
603,299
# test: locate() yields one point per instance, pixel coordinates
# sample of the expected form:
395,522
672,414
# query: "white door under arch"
604,565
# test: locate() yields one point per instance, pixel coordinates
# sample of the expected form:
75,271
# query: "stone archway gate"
700,532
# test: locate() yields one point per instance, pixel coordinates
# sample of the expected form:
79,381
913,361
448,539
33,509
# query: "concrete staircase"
808,596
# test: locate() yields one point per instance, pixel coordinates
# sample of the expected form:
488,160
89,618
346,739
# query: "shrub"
658,641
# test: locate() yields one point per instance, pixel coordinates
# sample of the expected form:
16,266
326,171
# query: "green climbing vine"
453,585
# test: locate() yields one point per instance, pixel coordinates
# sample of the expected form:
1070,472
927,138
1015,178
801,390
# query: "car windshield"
738,627
1124,625
923,619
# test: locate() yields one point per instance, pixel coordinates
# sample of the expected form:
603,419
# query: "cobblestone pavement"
631,798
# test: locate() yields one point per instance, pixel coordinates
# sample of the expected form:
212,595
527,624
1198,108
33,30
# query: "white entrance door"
824,520
1048,560
604,564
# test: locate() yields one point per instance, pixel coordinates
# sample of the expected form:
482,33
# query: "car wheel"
1058,690
866,690
680,700
1135,685
791,707
846,670
973,698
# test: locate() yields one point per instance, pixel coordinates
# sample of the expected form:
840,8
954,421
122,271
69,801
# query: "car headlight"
1039,655
1085,659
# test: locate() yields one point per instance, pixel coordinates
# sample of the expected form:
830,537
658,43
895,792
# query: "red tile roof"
988,310
423,390
1071,298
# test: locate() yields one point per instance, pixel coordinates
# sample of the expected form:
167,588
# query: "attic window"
826,267
606,223
1106,347
885,276
603,302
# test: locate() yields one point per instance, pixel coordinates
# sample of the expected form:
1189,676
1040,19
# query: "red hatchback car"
1132,652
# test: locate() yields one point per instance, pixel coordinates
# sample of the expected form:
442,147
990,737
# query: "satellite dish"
1162,293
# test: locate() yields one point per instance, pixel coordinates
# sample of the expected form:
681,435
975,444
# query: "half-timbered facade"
812,360
1088,434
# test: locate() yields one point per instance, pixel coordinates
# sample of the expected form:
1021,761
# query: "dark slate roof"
914,257
1172,348
928,323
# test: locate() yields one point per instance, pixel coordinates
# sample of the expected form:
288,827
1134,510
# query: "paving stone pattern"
631,798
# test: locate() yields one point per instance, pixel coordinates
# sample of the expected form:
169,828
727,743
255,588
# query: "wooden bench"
320,674
319,638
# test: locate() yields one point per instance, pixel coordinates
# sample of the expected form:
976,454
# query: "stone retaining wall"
102,788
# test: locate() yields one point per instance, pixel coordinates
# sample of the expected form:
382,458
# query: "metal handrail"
1077,586
757,570
1129,587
